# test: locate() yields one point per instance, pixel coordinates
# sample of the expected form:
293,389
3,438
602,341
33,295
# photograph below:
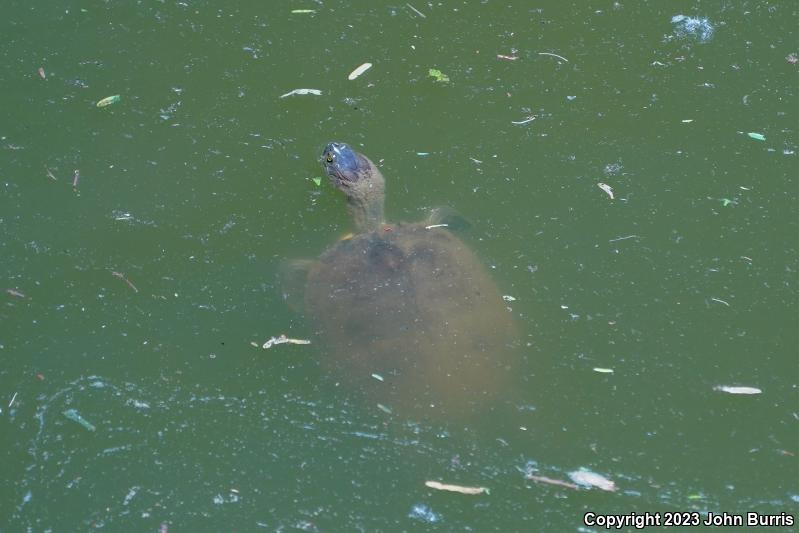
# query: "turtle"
407,311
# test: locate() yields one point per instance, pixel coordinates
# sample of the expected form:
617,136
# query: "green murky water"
198,182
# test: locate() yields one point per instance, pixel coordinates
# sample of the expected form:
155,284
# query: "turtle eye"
329,157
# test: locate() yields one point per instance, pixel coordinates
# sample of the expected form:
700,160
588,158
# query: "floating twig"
507,58
456,488
282,339
431,226
416,11
50,174
553,55
720,301
624,238
550,481
126,280
15,293
75,179
12,400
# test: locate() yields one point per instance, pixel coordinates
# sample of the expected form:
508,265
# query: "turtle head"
345,167
359,179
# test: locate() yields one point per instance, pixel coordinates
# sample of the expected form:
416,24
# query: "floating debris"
384,409
508,298
282,339
299,92
737,390
507,58
437,75
378,377
719,300
587,478
15,293
42,75
303,11
431,226
553,55
607,188
685,26
108,100
603,370
456,488
317,181
424,513
550,481
416,11
50,174
126,280
756,136
358,71
12,400
624,238
525,121
73,415
792,58
75,178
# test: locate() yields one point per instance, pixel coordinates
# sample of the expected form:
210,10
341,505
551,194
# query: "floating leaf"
607,188
456,488
73,415
756,136
315,92
108,100
317,180
737,390
438,75
587,478
358,71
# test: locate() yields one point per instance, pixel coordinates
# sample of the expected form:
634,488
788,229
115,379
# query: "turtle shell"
411,317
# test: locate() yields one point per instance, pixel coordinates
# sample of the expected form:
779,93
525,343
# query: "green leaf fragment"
726,201
695,496
317,180
438,75
108,100
73,415
757,136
